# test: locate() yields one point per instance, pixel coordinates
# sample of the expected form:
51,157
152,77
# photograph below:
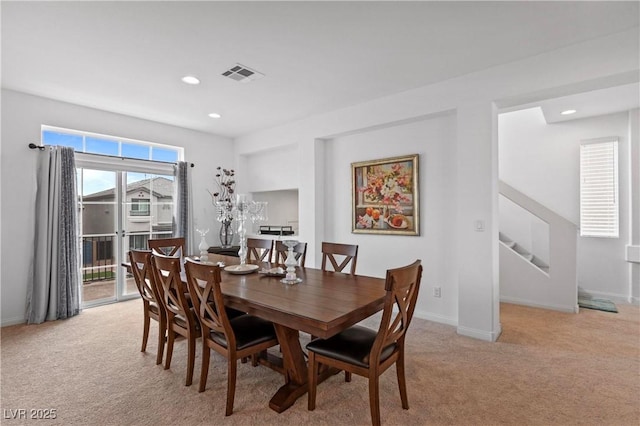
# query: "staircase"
534,260
545,276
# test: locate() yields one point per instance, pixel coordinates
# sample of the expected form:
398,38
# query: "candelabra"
242,209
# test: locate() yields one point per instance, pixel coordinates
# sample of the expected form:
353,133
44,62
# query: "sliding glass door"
120,209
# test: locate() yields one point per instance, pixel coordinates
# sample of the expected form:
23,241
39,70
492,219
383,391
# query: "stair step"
523,253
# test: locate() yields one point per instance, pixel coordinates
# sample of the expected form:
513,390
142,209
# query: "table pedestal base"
295,367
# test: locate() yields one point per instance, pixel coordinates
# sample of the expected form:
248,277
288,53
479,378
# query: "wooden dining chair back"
345,254
259,250
368,353
168,246
153,308
299,251
234,338
181,318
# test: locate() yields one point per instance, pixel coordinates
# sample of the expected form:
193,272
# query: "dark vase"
226,234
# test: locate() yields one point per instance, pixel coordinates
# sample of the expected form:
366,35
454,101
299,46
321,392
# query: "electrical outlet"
437,292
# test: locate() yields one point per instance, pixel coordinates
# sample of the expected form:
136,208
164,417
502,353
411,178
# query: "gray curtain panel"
53,290
182,219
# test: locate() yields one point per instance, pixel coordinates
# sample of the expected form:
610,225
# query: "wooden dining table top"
323,304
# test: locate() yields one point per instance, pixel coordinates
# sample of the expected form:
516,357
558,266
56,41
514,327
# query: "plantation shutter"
599,188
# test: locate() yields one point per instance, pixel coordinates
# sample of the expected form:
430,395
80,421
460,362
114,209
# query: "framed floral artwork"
385,196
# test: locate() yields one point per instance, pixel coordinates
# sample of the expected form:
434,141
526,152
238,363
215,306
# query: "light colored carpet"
548,368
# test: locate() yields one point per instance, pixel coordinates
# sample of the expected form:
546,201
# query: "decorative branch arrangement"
225,180
224,200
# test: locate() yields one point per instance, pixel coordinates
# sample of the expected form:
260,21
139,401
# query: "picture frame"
385,196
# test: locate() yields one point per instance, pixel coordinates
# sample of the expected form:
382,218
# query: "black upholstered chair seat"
249,331
352,345
234,313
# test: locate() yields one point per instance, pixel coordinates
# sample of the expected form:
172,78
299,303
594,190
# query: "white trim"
108,163
614,297
561,308
13,321
436,318
179,149
489,336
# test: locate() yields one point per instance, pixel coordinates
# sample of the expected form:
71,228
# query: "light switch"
479,225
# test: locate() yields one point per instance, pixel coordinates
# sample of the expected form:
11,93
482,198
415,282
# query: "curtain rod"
41,147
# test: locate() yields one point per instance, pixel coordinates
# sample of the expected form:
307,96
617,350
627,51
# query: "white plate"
241,269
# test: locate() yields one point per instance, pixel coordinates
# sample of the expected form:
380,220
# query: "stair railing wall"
520,283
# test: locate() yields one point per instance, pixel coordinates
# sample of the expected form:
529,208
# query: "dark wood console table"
230,251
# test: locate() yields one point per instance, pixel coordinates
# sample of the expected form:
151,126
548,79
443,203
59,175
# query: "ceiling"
129,57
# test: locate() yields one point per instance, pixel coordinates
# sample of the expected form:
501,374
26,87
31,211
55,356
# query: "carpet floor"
547,368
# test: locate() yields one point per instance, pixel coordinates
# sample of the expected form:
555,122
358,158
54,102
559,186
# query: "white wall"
473,194
282,208
473,186
22,116
634,208
542,161
431,138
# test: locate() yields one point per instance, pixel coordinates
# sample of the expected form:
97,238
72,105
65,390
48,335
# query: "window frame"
601,218
119,140
138,202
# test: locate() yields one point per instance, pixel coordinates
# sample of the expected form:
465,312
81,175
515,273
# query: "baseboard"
635,301
614,297
12,321
489,336
436,318
516,301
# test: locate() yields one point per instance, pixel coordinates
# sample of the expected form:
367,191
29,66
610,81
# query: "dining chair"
181,318
299,251
259,249
151,300
346,253
235,338
367,352
168,246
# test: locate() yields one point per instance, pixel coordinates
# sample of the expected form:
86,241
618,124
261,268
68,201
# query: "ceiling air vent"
242,74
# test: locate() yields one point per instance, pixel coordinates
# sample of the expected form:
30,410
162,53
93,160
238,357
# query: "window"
93,143
599,188
140,206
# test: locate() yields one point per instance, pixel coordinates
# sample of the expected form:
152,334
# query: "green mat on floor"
598,304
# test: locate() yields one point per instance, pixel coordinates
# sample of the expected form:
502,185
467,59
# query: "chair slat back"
208,301
299,251
402,286
167,246
259,249
167,275
348,253
143,275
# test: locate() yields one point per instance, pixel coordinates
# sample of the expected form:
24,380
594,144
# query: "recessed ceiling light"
214,115
189,79
568,112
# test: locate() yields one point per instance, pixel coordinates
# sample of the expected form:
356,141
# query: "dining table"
323,304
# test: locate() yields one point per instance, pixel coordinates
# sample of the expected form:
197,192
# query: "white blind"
599,188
